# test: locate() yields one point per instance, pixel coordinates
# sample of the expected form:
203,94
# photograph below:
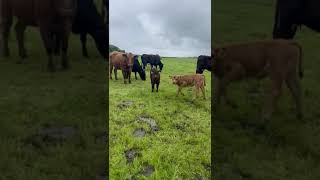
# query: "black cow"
89,21
291,14
138,69
204,63
153,60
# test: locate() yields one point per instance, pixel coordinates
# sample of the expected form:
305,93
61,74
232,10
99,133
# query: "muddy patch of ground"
151,122
147,170
197,177
50,136
131,154
125,104
139,133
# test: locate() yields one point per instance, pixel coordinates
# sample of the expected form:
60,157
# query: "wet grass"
181,146
32,98
287,148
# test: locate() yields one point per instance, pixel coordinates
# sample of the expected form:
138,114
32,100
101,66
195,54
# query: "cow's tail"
204,80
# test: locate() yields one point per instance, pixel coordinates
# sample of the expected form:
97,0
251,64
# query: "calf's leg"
295,89
203,92
20,28
272,97
44,31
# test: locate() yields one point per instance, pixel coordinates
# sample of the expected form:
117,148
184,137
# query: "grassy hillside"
177,146
287,149
33,99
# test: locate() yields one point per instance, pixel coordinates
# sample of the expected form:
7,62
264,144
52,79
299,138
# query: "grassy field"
287,149
33,98
179,147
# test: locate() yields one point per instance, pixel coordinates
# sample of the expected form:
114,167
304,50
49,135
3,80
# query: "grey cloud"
165,27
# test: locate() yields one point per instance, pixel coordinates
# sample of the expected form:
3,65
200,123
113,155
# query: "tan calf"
196,80
278,59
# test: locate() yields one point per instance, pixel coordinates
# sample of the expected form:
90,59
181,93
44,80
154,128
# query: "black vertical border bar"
212,96
106,4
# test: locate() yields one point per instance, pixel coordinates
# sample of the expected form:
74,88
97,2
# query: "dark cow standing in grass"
137,68
293,13
153,60
51,16
89,21
123,61
154,77
204,63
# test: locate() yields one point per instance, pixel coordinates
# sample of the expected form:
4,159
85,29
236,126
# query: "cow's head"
174,79
161,66
142,74
203,62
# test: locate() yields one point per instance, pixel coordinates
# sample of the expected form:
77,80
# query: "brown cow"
123,61
53,17
196,80
278,59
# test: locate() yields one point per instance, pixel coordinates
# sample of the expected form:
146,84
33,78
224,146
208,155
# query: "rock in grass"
151,122
125,104
139,132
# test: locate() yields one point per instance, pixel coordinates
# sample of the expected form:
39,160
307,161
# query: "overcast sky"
166,27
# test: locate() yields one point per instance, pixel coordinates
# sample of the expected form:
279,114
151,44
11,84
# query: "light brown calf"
278,59
196,80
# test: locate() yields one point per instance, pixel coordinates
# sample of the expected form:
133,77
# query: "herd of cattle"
128,63
278,59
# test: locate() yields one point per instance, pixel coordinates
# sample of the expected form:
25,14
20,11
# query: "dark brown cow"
123,61
53,17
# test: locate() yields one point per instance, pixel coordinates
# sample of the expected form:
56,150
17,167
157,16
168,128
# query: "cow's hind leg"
124,74
157,87
20,28
115,74
294,86
135,75
5,24
83,38
152,87
48,43
110,70
64,46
